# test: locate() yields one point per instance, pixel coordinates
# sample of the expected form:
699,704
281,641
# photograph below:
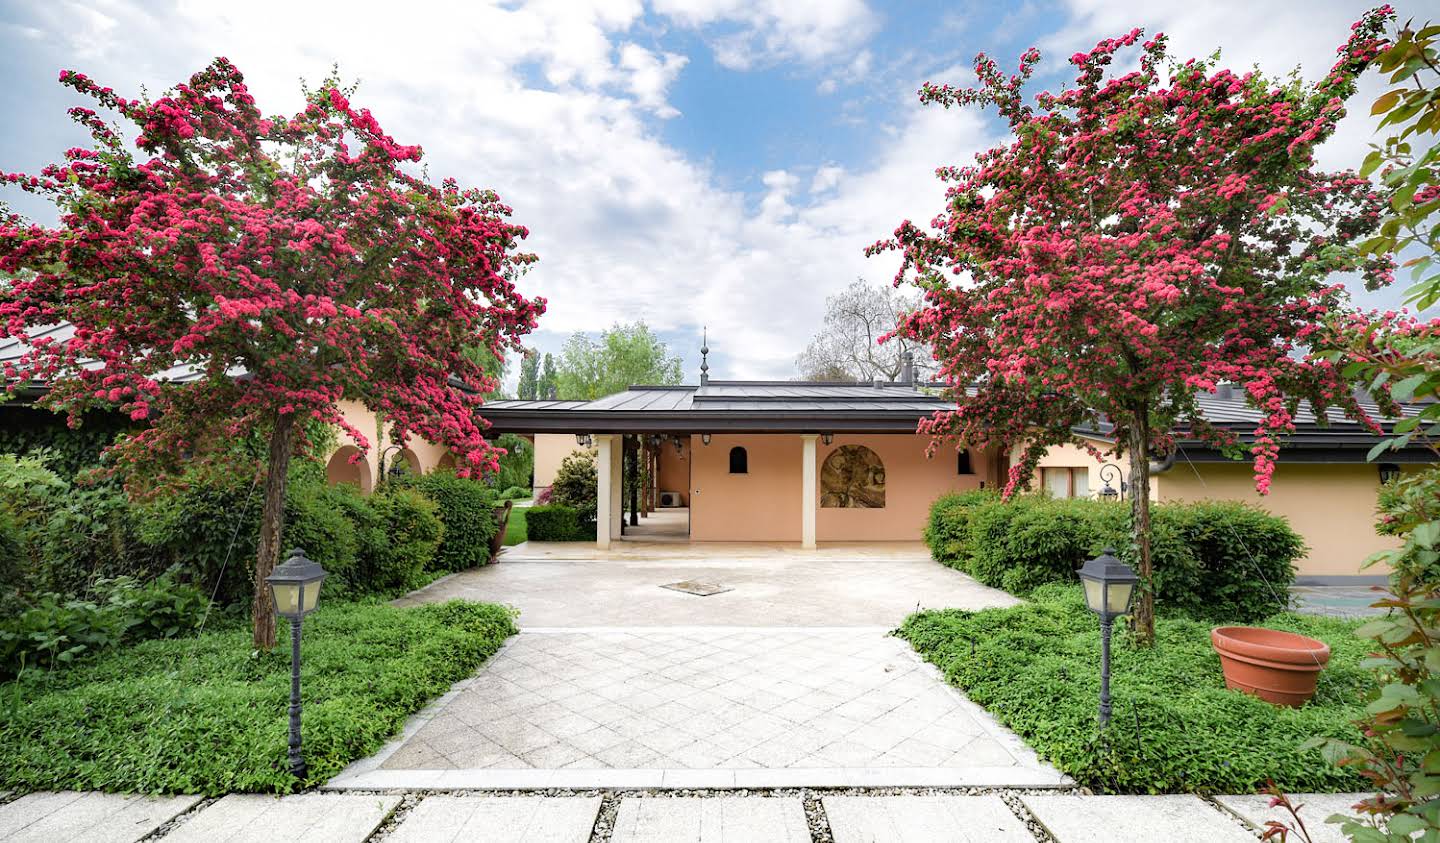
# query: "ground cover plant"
1036,667
207,713
516,528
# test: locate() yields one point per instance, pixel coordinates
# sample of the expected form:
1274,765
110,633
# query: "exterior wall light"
295,588
583,440
705,438
1388,471
827,438
1109,589
1110,472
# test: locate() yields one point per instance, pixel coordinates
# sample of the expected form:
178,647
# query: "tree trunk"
1144,613
272,519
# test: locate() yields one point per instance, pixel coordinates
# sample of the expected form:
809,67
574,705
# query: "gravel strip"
819,823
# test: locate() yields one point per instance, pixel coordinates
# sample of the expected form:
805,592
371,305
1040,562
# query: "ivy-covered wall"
25,429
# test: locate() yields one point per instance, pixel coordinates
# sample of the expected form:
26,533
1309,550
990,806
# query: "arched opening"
402,462
853,476
446,463
739,461
348,465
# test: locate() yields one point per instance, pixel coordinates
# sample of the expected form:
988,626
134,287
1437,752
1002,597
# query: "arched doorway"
348,465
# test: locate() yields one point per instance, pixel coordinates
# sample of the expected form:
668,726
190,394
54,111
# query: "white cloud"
770,31
552,104
651,75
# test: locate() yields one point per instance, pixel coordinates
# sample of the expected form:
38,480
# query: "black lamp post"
295,588
1109,588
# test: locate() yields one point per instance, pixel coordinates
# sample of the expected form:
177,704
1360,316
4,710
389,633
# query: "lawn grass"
515,530
207,715
1036,667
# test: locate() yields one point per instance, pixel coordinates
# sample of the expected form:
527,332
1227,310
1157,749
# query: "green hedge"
1176,728
207,715
1216,559
467,509
557,523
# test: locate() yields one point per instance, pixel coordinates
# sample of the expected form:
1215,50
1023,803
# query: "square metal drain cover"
702,589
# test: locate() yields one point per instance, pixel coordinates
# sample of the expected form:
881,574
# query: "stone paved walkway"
627,817
762,705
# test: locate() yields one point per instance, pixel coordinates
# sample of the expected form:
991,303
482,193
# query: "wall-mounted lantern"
1388,471
705,439
583,440
827,438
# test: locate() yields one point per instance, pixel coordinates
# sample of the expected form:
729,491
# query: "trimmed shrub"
948,530
413,533
557,523
575,483
1221,560
467,509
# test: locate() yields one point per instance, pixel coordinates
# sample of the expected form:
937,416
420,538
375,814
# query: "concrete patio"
571,584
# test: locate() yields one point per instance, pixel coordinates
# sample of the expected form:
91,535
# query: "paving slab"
514,819
1315,808
923,819
312,817
101,817
720,706
1103,819
754,819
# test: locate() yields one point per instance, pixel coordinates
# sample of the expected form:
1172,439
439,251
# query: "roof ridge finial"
704,355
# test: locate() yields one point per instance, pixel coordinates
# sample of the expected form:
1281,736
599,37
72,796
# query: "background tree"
548,383
849,347
529,385
1139,240
625,355
1397,357
291,261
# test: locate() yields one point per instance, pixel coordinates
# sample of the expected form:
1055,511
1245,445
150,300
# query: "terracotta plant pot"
1278,667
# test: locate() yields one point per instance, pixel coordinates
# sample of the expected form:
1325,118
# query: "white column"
605,466
617,485
807,490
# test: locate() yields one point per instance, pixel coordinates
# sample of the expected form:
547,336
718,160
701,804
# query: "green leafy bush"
575,483
54,630
412,533
466,508
1213,559
1175,729
948,530
205,715
557,523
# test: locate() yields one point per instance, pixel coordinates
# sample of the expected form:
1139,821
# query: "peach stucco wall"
912,483
1331,505
550,450
421,455
764,505
674,473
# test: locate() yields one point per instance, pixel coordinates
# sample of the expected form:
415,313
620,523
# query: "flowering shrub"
1140,238
301,251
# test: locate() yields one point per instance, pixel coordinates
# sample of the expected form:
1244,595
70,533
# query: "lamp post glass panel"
1109,588
295,587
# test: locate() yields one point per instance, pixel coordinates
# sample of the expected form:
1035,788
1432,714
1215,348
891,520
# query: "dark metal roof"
791,406
11,349
719,406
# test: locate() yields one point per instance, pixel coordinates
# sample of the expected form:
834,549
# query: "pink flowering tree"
291,262
1142,236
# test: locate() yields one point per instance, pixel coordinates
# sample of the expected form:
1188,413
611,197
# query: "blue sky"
689,162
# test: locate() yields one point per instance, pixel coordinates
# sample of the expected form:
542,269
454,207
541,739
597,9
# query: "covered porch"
780,463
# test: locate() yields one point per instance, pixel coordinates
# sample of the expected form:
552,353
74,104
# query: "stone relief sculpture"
852,476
